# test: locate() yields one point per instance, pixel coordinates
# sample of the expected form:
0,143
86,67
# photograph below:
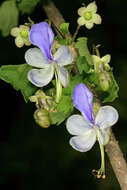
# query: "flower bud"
107,67
41,100
41,117
107,138
96,107
104,80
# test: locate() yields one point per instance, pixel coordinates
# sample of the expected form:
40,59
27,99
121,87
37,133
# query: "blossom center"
24,34
88,15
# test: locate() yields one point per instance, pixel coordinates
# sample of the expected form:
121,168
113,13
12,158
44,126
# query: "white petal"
106,59
106,117
81,21
92,7
102,134
77,125
105,135
41,77
83,143
97,19
89,25
63,76
96,59
81,11
14,31
19,42
36,58
63,56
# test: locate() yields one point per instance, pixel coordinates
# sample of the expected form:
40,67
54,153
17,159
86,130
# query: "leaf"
82,65
65,106
112,91
8,17
73,81
83,50
63,41
111,94
64,109
16,75
27,6
64,27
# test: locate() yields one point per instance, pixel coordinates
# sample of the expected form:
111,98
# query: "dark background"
35,158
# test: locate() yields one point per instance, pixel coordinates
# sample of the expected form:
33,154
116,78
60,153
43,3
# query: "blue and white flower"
46,64
87,129
84,127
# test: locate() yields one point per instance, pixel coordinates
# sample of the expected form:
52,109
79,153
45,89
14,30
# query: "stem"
58,88
117,161
76,32
102,169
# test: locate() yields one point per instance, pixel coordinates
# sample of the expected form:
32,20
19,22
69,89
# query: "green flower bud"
41,100
107,137
107,67
55,46
96,107
104,80
41,117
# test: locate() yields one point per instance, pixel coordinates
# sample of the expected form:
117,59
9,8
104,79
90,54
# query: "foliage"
27,6
111,94
64,28
8,17
83,50
83,65
16,75
65,106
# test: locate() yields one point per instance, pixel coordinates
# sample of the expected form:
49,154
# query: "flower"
88,15
21,33
85,128
101,63
46,64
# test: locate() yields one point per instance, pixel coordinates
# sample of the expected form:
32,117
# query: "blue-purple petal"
83,99
42,36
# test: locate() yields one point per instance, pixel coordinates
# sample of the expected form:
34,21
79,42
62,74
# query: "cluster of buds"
43,104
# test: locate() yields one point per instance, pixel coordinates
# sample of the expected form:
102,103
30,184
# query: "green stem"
102,169
58,88
75,34
101,172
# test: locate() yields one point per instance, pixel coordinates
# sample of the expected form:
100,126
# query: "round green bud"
41,117
107,67
104,80
88,15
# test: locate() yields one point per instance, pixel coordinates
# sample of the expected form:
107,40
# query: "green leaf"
27,6
64,109
63,41
65,106
8,17
16,75
82,64
64,28
83,50
112,91
110,95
